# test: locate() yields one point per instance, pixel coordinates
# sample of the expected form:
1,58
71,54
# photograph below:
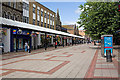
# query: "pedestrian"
56,44
28,49
26,46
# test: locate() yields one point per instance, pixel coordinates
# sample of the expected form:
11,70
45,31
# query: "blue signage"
107,41
108,44
21,32
14,31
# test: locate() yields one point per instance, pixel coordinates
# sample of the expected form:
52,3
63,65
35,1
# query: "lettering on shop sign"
20,32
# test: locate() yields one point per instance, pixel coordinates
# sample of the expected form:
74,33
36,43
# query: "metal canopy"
34,27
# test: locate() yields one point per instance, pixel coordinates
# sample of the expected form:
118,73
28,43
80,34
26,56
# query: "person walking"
56,44
26,47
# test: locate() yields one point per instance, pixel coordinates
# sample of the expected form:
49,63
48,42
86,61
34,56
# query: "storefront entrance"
18,40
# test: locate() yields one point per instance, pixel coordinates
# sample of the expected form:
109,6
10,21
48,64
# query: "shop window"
20,43
14,41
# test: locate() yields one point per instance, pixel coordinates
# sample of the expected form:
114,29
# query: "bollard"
108,56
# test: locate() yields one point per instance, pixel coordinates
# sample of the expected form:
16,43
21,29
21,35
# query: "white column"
61,39
39,39
52,40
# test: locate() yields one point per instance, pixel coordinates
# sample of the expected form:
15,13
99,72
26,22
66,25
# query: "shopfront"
18,39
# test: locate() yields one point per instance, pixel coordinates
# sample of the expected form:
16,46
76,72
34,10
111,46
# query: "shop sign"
14,31
21,32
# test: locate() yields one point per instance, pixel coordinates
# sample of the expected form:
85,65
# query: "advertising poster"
108,44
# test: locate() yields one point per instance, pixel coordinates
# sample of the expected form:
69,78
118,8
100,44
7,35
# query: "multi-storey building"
12,10
41,15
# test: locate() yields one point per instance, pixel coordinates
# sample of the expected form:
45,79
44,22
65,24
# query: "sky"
69,11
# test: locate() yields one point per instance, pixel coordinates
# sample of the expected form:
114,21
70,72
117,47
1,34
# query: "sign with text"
108,44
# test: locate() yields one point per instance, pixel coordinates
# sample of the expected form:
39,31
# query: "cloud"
77,11
81,28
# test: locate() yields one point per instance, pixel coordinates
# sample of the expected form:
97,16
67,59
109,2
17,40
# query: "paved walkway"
23,53
78,61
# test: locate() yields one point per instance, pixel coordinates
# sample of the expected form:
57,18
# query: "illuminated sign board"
108,44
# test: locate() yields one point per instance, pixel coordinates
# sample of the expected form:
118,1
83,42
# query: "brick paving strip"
91,70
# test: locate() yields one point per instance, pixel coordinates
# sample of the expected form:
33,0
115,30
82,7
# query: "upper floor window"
48,16
41,13
47,25
25,6
41,24
38,11
33,10
14,4
45,15
14,16
44,24
9,15
50,26
33,22
53,18
53,27
38,23
18,18
4,15
9,3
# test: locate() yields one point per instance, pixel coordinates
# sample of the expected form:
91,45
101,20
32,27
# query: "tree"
100,18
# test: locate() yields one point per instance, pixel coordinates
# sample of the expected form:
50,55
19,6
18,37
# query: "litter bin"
108,56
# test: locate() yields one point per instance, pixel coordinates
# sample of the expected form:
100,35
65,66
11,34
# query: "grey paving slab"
98,72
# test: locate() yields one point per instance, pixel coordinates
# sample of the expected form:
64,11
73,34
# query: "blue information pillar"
107,42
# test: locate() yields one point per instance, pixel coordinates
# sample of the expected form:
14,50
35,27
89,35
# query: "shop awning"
34,27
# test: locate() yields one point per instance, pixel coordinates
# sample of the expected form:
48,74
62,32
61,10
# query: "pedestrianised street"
78,61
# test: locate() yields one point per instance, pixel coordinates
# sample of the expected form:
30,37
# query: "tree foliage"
100,18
